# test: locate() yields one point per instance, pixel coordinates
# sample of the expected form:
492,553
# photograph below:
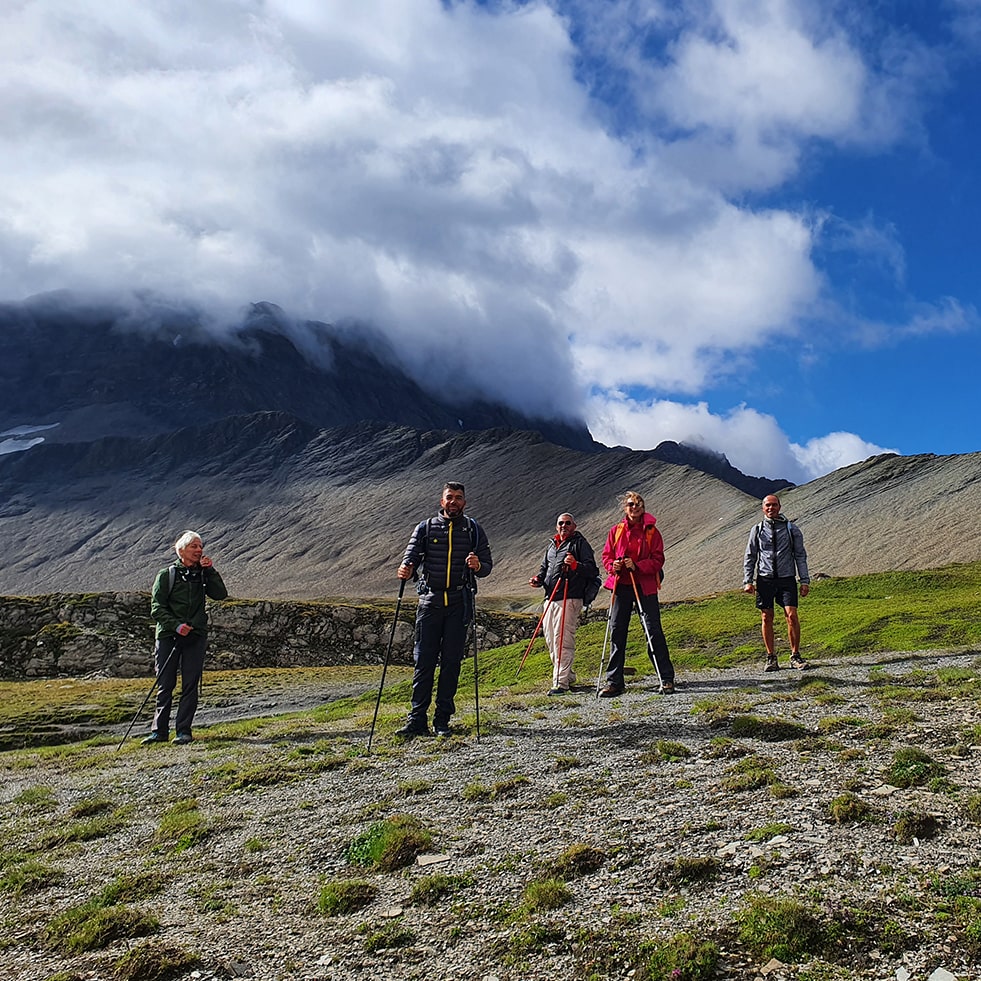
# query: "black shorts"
783,590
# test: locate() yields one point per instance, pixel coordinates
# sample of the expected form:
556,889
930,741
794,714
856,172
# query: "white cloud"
826,453
441,171
752,441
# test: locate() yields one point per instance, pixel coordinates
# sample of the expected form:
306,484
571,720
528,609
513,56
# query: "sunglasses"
564,523
634,504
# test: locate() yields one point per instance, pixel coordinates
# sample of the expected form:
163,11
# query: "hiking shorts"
783,590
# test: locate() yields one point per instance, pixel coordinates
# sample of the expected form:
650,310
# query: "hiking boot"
667,688
558,691
412,729
611,691
442,730
796,661
183,738
771,663
154,737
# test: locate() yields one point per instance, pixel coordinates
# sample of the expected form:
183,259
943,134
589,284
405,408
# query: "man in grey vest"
775,556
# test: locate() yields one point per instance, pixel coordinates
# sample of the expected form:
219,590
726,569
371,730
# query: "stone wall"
111,633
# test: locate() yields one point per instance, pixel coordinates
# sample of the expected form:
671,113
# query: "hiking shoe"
442,730
667,688
796,661
558,691
412,729
183,738
154,737
611,691
772,664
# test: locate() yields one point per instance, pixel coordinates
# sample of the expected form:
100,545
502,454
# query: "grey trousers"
169,655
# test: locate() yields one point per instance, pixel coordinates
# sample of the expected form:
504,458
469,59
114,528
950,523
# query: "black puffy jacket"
552,566
438,551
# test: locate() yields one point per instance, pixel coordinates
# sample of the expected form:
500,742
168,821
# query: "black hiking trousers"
441,637
624,605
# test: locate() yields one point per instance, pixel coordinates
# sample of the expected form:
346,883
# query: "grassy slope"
892,611
895,611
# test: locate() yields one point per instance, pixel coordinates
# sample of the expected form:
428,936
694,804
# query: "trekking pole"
476,686
156,681
647,628
558,656
388,654
537,628
609,623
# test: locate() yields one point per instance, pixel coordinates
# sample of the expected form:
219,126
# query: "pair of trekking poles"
643,622
606,639
472,586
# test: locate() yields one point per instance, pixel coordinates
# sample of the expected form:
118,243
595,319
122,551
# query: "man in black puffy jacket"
444,554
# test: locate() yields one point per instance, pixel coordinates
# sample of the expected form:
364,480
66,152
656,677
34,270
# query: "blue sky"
748,224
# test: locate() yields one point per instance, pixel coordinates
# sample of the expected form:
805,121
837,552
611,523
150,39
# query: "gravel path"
547,774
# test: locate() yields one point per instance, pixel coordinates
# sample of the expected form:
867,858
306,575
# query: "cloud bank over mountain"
570,206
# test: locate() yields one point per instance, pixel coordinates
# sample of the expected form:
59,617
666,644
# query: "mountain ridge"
319,502
289,510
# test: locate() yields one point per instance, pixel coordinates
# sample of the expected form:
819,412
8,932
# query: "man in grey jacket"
775,556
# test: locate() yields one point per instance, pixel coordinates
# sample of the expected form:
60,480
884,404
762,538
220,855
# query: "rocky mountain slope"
306,458
290,510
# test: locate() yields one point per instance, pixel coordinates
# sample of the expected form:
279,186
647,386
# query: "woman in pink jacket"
634,556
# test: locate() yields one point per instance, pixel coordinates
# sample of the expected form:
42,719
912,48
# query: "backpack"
593,586
649,534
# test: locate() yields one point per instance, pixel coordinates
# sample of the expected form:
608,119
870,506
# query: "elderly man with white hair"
177,604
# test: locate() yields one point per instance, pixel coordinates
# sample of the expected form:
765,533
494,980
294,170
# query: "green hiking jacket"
184,602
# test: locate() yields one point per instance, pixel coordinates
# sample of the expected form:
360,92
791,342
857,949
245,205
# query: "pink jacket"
642,543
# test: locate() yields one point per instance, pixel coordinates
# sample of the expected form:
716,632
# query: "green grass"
27,875
183,826
432,889
681,958
574,862
346,896
96,924
888,611
390,844
544,895
154,961
891,611
912,767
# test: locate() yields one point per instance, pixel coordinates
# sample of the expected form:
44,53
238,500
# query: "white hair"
186,538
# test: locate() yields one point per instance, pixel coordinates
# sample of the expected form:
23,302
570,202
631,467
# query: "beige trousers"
562,674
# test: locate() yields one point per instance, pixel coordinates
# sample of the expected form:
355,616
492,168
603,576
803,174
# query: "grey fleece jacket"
775,550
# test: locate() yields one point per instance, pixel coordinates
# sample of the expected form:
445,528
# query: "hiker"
444,555
569,575
177,604
634,558
775,555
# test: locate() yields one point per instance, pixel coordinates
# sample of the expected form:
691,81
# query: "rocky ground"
634,809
